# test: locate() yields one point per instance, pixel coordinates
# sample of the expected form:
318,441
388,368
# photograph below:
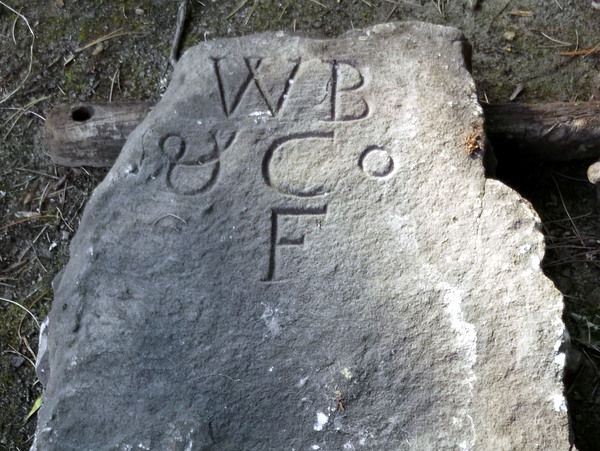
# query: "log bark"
545,131
93,134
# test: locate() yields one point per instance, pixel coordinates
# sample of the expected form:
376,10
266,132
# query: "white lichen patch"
465,336
260,113
558,343
560,404
560,359
465,332
302,381
271,321
524,249
534,262
322,420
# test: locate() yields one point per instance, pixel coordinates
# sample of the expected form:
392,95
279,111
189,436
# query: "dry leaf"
60,3
36,406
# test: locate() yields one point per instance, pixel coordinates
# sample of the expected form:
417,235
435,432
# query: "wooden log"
93,134
545,131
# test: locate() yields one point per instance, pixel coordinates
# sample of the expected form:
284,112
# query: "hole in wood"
82,114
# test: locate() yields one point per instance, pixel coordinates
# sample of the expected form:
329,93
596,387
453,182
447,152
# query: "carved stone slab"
298,249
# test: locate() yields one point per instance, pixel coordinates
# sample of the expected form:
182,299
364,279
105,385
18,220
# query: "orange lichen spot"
473,143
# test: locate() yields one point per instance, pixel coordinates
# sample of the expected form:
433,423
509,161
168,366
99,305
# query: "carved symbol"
283,181
253,78
287,240
192,165
178,177
346,78
376,162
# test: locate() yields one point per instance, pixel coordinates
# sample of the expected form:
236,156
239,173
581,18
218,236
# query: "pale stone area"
297,249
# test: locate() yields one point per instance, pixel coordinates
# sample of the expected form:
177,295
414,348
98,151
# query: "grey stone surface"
296,251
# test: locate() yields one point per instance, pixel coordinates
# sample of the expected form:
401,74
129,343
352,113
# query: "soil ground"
50,54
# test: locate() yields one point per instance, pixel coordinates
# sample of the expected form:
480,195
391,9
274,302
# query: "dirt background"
49,56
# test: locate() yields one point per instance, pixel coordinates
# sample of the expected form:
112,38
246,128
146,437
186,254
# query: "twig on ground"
20,112
22,83
582,52
35,255
498,14
77,210
63,220
441,7
12,31
37,172
28,347
520,13
27,219
392,11
112,84
254,4
586,215
318,3
22,307
284,8
20,354
24,252
111,35
567,261
397,3
237,8
562,43
181,14
43,196
567,211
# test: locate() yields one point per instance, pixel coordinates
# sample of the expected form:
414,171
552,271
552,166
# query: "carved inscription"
294,237
231,102
187,165
189,161
376,162
266,85
345,78
290,144
197,172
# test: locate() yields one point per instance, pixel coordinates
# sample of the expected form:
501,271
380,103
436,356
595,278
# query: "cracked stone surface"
299,249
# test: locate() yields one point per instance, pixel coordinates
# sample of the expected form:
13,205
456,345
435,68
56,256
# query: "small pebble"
593,173
508,35
16,360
